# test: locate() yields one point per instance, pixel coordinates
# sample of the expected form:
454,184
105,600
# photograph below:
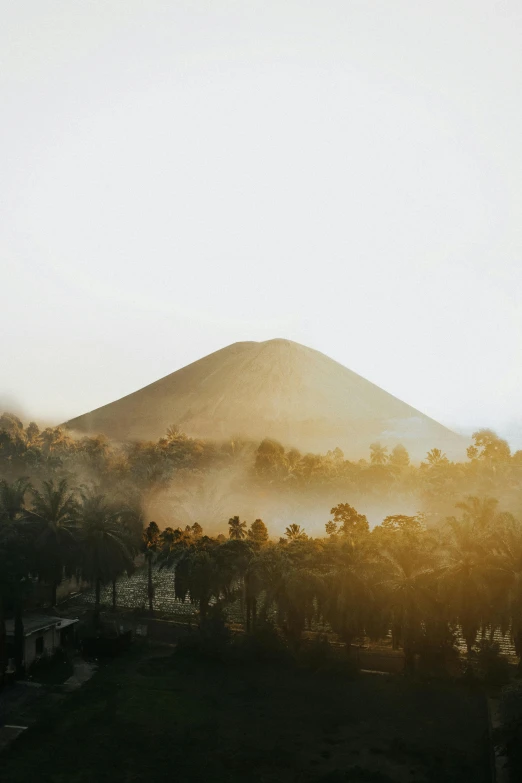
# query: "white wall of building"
51,640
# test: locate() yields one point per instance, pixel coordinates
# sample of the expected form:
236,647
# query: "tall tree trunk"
97,602
469,654
407,645
3,644
518,649
348,638
409,658
114,595
19,640
246,598
248,608
254,612
150,586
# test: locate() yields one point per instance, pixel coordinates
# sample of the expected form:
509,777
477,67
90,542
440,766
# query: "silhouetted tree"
348,521
399,457
488,447
378,454
15,562
104,550
149,547
258,533
236,528
56,512
295,533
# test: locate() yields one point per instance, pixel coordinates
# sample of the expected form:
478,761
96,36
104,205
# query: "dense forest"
181,480
77,507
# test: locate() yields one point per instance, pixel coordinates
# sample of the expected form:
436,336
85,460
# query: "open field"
151,716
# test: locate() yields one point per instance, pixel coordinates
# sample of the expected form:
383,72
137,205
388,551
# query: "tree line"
137,471
423,584
419,578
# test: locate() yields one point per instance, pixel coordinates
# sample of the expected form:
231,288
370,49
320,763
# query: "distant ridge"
278,389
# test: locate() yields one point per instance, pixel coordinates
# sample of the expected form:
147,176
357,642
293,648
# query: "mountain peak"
273,341
276,388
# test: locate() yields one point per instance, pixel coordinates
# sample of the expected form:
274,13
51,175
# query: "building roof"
40,622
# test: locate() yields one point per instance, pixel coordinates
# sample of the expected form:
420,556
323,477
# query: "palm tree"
507,552
479,512
201,578
295,533
298,599
378,454
288,583
435,457
269,571
12,499
466,573
348,594
15,549
408,582
234,558
149,546
8,579
3,595
105,553
171,544
56,512
237,529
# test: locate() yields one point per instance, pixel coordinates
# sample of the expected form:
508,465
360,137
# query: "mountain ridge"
276,388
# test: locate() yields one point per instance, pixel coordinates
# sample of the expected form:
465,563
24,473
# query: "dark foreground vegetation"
79,508
153,715
425,585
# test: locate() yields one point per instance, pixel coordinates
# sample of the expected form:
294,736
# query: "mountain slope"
277,389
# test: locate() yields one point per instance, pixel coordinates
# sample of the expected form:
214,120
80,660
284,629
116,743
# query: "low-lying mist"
212,499
179,480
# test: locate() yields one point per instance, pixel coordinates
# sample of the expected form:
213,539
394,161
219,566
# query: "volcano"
277,389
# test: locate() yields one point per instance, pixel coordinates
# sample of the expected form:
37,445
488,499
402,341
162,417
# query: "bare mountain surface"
277,389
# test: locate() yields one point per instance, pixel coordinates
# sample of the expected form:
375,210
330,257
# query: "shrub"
493,669
55,667
211,640
265,643
320,656
317,654
438,654
508,737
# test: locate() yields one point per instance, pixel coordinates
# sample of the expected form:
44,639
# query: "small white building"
43,636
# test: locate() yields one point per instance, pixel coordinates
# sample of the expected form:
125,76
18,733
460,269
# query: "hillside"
278,389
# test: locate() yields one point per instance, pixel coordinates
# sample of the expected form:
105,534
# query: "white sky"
177,176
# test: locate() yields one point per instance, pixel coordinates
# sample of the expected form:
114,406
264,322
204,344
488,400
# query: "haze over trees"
182,480
78,507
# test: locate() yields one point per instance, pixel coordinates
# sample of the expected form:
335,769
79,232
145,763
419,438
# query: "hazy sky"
177,176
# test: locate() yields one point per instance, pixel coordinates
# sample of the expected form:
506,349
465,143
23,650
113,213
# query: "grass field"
151,716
